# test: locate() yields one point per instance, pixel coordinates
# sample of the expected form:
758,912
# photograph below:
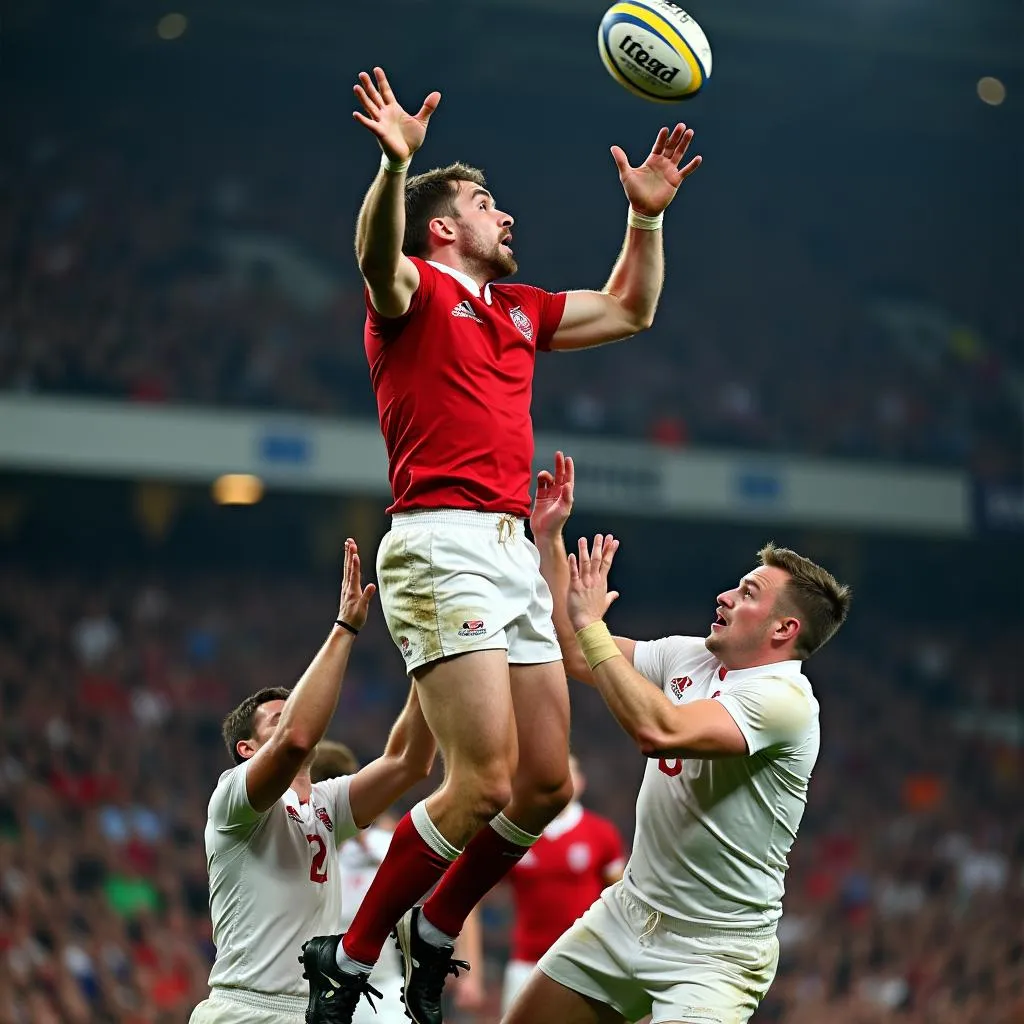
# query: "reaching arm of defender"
407,759
628,301
551,510
702,728
310,706
391,277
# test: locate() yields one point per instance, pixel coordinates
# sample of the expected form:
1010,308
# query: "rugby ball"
654,49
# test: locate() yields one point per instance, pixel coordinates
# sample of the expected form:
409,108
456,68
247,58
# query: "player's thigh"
448,588
517,973
467,703
540,698
594,958
542,1000
707,980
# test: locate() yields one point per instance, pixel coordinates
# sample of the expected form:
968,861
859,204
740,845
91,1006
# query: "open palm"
399,133
653,185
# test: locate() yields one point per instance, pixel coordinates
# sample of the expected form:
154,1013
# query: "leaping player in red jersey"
451,357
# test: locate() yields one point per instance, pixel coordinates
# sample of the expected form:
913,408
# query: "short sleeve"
332,795
655,658
649,659
769,711
552,306
230,810
388,328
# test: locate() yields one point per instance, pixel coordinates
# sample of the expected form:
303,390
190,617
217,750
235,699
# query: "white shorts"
248,1008
516,974
453,581
624,953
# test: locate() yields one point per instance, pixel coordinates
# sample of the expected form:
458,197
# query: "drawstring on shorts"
506,528
650,924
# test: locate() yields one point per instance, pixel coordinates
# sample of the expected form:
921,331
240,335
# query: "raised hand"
589,597
355,598
553,504
653,185
399,133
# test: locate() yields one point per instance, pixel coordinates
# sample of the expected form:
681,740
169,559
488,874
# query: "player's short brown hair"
332,760
240,724
820,601
429,195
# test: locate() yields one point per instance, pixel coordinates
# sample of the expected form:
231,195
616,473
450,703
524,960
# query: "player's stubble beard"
491,260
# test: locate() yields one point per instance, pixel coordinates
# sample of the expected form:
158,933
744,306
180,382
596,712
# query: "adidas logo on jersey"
465,308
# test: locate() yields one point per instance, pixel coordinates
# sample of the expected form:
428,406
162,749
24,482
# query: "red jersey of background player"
454,381
560,876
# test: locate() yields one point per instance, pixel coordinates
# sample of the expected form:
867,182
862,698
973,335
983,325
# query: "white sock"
348,965
431,934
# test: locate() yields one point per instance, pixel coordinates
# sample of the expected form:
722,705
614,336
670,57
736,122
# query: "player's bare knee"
550,794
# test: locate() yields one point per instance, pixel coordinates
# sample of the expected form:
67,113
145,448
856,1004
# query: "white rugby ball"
654,49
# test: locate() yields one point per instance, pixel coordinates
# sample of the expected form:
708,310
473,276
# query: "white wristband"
393,166
643,222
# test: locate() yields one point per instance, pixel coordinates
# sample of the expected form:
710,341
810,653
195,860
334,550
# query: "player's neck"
761,659
479,276
302,785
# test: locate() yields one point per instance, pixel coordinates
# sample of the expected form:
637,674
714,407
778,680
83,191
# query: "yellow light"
172,26
991,91
237,489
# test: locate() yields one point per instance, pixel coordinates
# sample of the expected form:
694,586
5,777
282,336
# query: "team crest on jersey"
292,813
678,686
325,818
473,627
522,321
578,856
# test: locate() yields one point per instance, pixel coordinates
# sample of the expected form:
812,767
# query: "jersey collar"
790,669
565,822
464,279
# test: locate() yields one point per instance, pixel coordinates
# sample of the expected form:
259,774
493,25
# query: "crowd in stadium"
904,899
245,291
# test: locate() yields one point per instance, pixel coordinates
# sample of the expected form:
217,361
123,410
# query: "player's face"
267,717
747,618
484,231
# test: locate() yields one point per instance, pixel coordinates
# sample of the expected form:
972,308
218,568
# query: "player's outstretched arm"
659,728
310,706
551,509
407,759
629,300
391,277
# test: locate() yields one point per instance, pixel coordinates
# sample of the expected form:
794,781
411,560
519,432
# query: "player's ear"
245,749
442,230
787,628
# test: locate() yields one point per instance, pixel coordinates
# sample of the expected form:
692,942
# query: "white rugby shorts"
243,1007
624,953
453,581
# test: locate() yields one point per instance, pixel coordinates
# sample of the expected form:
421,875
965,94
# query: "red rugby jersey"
454,381
560,877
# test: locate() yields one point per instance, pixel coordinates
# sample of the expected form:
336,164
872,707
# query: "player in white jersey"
359,858
272,836
731,730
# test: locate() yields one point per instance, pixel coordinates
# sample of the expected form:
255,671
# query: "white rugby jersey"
713,835
274,881
359,860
